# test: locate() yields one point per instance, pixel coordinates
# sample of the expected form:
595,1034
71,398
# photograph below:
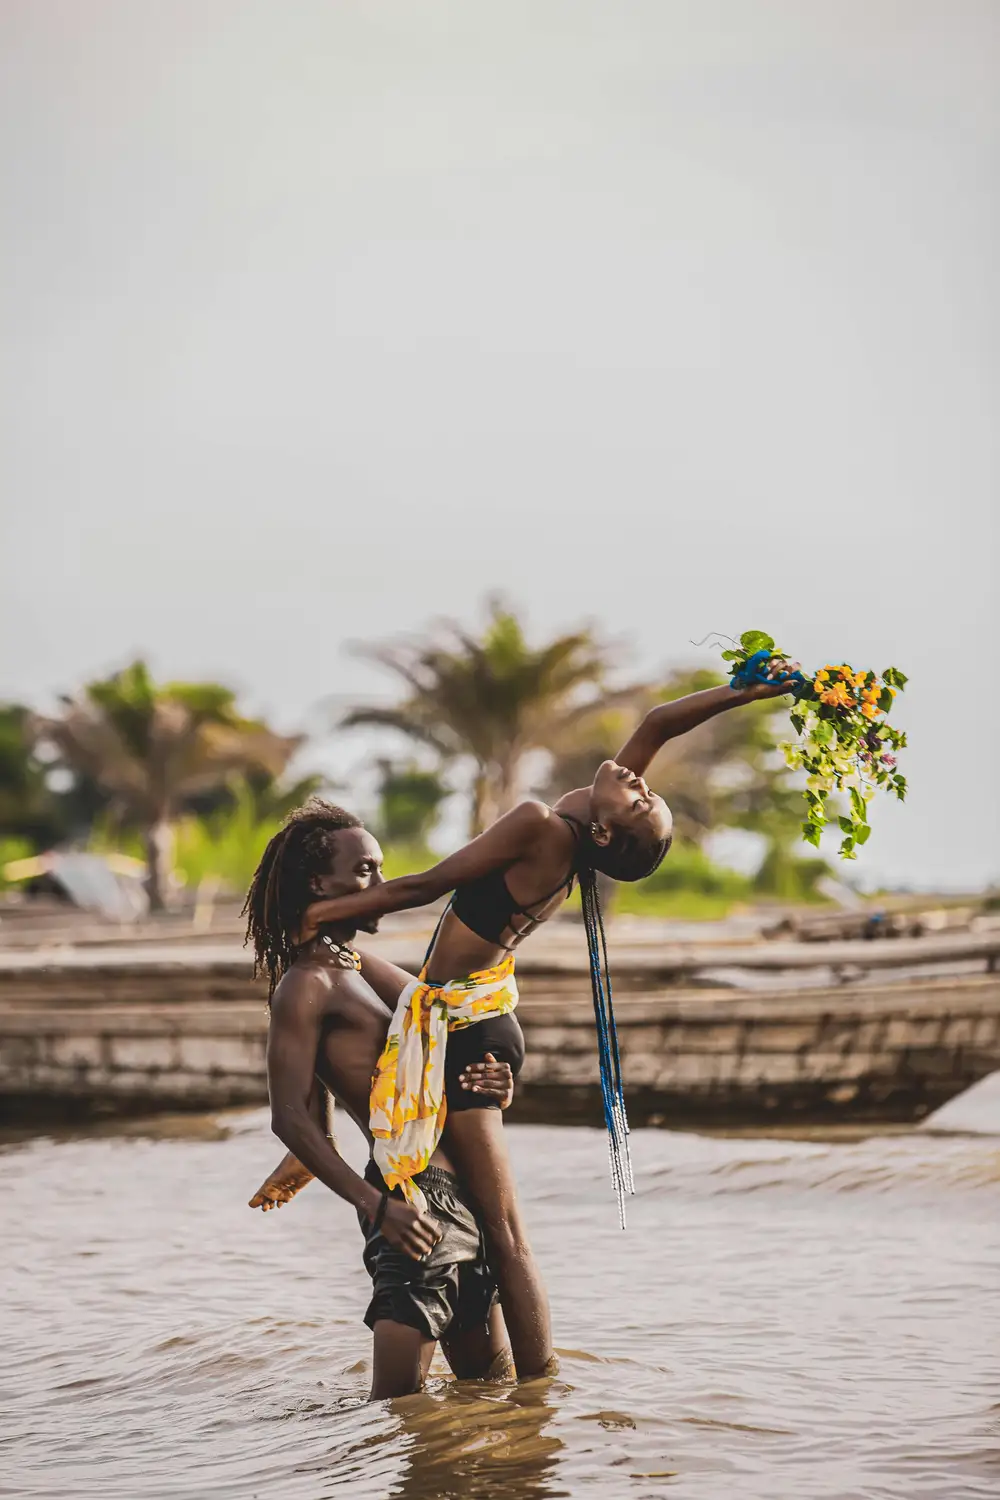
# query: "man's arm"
668,720
386,979
509,838
292,1044
290,1176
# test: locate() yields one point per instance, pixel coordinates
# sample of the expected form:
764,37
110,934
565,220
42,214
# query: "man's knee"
402,1355
387,1388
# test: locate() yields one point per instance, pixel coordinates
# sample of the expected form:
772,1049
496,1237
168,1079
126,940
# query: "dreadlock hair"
282,886
626,857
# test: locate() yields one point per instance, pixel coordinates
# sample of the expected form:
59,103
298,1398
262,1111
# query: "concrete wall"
139,1034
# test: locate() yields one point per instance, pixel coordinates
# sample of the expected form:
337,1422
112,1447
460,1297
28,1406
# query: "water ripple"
782,1319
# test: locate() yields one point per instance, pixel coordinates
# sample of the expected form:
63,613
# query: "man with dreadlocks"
329,1020
506,883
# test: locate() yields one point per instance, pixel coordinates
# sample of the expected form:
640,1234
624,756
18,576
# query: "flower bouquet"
845,742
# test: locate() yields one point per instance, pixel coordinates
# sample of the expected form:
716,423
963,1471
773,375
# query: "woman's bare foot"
287,1179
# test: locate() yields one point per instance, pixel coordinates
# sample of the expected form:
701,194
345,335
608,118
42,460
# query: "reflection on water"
783,1318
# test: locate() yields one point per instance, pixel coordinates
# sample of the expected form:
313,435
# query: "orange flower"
870,710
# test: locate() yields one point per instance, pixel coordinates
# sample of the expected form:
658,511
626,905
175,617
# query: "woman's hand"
781,675
309,926
489,1077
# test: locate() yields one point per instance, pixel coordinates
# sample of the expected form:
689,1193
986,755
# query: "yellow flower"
859,679
870,710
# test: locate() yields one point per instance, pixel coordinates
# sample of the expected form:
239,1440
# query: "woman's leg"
475,1143
481,1353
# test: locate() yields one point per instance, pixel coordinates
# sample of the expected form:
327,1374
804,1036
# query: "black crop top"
487,907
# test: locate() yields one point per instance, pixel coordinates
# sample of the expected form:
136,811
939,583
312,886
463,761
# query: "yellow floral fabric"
408,1105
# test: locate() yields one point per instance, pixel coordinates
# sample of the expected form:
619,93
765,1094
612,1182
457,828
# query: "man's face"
357,864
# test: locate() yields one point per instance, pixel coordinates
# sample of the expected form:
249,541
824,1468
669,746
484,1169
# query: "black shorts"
501,1035
453,1289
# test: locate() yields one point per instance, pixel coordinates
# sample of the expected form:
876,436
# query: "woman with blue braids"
505,883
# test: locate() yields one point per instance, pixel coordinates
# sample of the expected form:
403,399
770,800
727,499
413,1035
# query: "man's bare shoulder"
308,989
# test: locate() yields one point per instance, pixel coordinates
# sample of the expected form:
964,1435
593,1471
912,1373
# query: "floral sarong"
408,1105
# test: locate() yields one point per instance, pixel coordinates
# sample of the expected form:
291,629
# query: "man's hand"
489,1077
407,1229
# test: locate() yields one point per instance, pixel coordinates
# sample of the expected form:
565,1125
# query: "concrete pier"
849,1031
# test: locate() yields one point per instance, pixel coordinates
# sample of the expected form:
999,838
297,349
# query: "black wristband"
380,1212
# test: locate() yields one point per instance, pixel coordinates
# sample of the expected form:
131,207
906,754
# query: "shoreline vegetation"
175,775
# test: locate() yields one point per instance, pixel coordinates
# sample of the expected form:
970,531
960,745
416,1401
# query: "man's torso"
355,1025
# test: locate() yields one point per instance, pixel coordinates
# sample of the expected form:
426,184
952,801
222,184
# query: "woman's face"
621,800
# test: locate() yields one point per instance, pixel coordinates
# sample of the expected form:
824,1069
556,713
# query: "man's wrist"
368,1200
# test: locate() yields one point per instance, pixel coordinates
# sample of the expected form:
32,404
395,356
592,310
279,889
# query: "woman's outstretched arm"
510,838
668,720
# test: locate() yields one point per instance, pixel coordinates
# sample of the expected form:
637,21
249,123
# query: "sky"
321,321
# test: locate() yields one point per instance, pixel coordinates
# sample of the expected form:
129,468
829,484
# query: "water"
783,1318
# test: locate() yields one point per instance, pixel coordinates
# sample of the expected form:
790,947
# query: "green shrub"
11,849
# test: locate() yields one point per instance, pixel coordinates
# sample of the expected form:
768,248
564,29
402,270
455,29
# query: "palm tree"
29,809
409,800
491,700
155,747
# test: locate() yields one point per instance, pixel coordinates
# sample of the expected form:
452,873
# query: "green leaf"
885,700
798,722
894,677
846,825
859,805
811,833
756,640
731,655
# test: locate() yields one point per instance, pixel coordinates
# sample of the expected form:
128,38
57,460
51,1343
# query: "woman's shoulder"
533,813
540,820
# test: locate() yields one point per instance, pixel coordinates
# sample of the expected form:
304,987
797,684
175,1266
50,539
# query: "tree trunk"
159,862
506,783
484,803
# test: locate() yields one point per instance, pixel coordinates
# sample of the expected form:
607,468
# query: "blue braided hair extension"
612,1090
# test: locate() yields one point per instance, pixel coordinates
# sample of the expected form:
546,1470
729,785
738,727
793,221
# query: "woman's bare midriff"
459,951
